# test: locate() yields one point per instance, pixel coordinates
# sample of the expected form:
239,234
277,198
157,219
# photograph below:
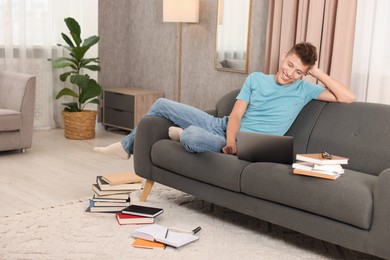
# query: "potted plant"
79,123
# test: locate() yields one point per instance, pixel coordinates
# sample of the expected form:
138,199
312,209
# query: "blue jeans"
202,131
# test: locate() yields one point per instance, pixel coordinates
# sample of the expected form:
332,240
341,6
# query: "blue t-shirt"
272,108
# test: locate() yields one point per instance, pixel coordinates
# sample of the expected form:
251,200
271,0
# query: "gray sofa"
352,211
17,100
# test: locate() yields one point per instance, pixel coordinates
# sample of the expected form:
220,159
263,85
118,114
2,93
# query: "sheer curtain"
29,32
371,67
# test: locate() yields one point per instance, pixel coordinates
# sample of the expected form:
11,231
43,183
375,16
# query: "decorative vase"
80,125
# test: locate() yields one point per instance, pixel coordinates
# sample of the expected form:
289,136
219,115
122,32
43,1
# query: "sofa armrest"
17,92
27,109
380,229
149,130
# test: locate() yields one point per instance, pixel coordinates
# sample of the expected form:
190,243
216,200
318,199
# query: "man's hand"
313,71
230,149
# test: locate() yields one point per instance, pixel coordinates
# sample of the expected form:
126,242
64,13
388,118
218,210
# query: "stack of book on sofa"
319,165
112,192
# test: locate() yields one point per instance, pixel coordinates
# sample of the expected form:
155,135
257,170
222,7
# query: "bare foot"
114,149
174,133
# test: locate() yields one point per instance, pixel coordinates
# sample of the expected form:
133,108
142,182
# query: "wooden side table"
124,107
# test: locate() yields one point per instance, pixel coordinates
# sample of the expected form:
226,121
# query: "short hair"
306,51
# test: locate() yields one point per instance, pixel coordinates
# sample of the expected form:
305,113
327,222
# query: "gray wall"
138,50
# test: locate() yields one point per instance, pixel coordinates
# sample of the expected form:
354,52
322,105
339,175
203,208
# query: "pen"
166,234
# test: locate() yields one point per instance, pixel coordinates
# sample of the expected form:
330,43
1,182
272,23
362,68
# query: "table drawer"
119,101
117,117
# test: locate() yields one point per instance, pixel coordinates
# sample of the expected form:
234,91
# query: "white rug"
65,231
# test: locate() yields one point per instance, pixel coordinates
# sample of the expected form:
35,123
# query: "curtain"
29,32
327,24
371,67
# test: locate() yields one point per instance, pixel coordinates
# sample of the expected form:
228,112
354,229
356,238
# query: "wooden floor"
55,169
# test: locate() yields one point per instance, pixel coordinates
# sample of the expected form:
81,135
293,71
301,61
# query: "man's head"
296,63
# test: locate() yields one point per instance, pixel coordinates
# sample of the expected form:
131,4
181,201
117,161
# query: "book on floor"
138,242
104,209
185,228
121,178
318,159
110,203
119,196
155,232
127,219
144,211
93,208
105,186
96,189
111,199
104,214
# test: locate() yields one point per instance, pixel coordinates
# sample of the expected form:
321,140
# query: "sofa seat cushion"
347,199
213,168
10,120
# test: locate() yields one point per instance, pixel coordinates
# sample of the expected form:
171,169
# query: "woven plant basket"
80,125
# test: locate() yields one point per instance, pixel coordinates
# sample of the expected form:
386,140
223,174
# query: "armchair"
17,101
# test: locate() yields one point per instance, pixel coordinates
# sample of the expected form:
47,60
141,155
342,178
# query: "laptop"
256,147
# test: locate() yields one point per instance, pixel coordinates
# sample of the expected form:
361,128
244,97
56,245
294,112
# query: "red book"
126,219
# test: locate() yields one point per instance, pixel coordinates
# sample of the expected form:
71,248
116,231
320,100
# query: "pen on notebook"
166,234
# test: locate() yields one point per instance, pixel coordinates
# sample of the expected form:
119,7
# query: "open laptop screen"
256,147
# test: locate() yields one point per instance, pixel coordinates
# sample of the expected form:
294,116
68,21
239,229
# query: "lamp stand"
179,62
179,11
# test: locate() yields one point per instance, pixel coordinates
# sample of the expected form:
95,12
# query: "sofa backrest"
225,105
359,131
303,125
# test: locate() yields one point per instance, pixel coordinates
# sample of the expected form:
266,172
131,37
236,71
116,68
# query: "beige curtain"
328,24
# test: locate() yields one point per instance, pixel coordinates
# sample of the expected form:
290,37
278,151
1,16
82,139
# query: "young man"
266,104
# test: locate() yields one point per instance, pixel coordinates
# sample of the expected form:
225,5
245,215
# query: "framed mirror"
232,43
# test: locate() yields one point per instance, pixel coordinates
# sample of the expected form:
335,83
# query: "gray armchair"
17,101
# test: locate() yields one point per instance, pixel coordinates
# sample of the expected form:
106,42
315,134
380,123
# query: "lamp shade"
186,11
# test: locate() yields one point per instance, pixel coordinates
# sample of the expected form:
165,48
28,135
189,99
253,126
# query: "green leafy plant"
88,89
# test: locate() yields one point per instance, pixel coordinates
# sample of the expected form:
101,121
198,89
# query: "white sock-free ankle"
114,149
174,133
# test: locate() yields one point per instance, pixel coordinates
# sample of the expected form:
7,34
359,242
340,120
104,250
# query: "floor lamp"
180,11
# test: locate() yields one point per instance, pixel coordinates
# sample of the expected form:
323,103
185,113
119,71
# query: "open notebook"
155,232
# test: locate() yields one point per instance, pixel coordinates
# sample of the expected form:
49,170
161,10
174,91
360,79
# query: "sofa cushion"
214,168
347,199
10,120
